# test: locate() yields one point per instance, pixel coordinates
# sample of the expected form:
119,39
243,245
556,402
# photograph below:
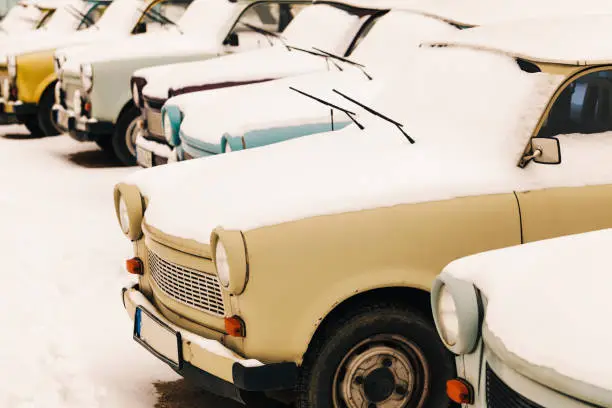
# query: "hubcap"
384,371
130,136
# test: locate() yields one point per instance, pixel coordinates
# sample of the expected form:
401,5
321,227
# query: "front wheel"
124,137
46,117
380,355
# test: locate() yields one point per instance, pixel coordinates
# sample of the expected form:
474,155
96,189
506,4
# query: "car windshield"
208,17
69,16
121,15
21,17
164,15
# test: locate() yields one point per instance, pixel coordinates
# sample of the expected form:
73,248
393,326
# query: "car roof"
579,40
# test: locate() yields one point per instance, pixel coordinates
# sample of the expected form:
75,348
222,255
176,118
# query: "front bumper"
208,362
151,153
81,128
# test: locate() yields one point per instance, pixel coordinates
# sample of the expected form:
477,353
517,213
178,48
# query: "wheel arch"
46,84
126,106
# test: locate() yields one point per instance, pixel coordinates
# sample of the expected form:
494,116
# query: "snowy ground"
66,340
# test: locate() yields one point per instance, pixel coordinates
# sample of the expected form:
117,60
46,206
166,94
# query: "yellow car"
307,265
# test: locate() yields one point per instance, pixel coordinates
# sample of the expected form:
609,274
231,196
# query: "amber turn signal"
134,266
460,391
234,326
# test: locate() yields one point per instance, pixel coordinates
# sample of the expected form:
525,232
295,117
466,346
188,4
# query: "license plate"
158,337
144,157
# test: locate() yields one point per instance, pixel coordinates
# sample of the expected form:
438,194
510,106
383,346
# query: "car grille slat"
188,286
499,395
154,122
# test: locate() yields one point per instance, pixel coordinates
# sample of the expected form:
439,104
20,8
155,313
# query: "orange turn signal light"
234,326
460,391
134,266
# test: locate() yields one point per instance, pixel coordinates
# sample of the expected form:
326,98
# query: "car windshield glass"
164,14
208,17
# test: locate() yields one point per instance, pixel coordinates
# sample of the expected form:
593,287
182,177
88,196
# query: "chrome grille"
193,288
69,89
154,122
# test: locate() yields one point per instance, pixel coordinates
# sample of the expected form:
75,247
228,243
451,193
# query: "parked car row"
352,159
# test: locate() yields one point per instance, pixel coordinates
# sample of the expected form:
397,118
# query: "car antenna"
359,66
331,105
375,113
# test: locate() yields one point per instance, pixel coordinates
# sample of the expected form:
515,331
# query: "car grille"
188,286
154,122
499,395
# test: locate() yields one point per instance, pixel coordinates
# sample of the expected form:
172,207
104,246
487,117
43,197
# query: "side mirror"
545,150
232,40
140,28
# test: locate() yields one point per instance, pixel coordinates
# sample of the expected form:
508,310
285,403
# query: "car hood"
563,286
137,46
46,41
269,105
270,63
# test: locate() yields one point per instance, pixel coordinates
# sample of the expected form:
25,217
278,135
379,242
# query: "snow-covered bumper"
80,127
151,152
207,361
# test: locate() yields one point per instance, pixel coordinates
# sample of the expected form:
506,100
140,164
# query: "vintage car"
206,123
344,27
306,265
29,89
207,29
527,324
26,16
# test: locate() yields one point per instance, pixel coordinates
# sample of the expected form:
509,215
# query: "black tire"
46,118
369,332
105,142
126,154
31,123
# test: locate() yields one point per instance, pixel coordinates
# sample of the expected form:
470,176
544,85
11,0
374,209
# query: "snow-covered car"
26,16
29,90
339,27
103,110
528,324
208,123
307,264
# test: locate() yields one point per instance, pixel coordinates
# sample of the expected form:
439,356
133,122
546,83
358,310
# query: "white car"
207,29
338,28
529,324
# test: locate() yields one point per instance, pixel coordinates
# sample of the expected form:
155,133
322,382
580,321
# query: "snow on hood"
564,289
157,44
335,31
270,63
208,116
470,112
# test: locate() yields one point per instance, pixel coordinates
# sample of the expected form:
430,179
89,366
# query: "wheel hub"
379,385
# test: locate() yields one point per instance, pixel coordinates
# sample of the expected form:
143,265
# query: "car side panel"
299,271
34,73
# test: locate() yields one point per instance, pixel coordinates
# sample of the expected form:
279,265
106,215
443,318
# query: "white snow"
568,40
335,30
66,339
20,18
561,320
157,148
386,52
471,113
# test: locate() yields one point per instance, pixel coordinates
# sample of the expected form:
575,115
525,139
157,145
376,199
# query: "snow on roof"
481,12
578,40
471,113
564,289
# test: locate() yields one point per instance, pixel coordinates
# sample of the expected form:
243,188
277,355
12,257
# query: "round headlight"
77,104
168,131
12,67
135,95
457,311
124,217
222,264
447,317
87,77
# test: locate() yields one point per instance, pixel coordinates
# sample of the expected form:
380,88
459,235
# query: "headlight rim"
135,209
172,114
87,77
469,311
235,248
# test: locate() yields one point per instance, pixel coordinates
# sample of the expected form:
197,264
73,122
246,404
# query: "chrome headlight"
229,256
457,311
135,95
87,77
129,210
168,131
12,67
77,104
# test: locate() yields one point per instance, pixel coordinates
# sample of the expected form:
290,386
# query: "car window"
93,15
162,15
585,106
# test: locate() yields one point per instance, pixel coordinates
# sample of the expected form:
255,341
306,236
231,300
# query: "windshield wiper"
79,14
263,32
160,18
357,65
331,105
380,115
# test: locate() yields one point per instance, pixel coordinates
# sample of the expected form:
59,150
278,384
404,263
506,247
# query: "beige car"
307,265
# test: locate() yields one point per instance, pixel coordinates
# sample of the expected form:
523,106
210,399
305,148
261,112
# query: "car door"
577,193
